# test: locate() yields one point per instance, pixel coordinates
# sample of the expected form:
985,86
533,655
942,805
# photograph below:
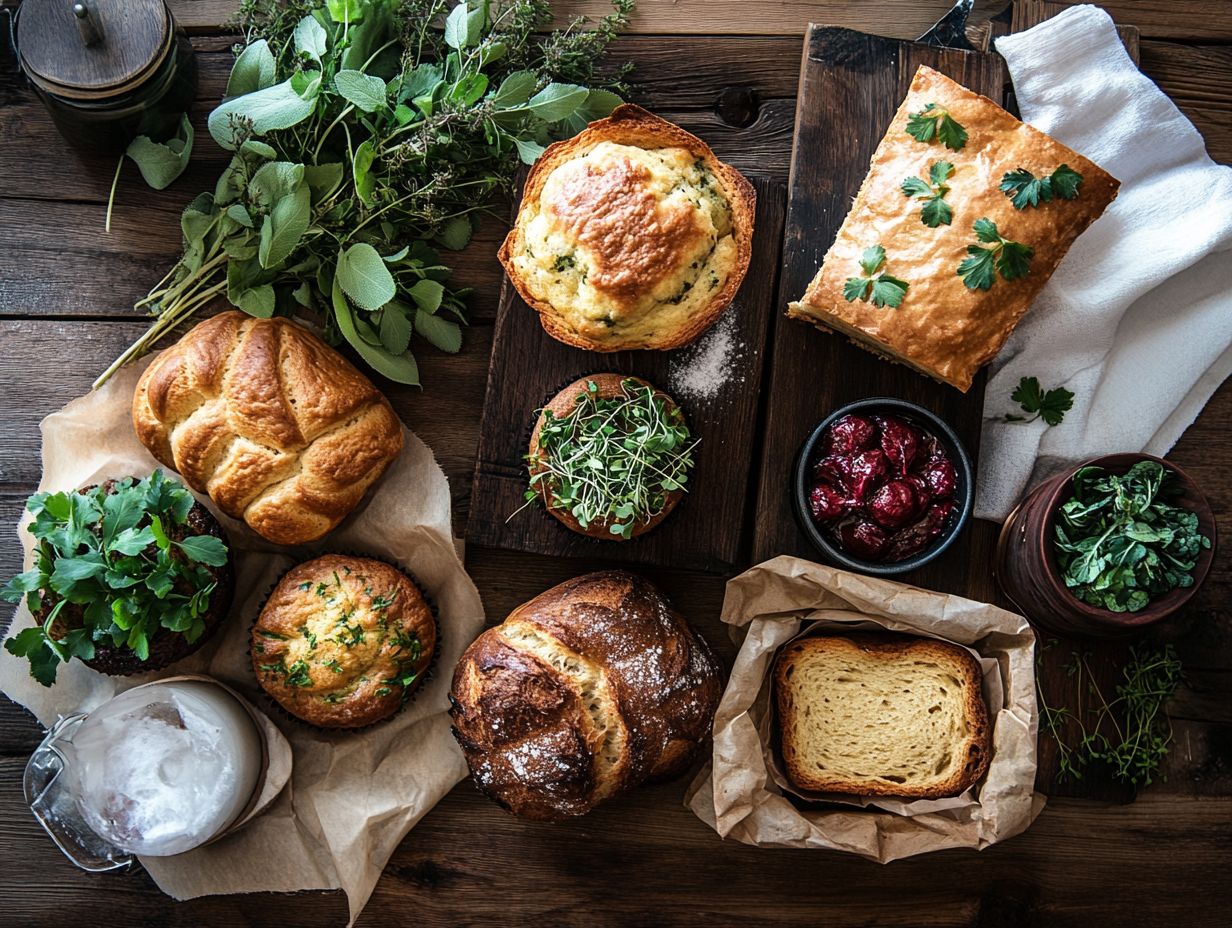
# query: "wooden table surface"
66,291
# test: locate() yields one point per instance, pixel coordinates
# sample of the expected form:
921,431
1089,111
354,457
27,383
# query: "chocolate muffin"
343,641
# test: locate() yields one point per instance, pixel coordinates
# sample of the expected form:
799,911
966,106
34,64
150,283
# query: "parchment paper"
741,792
352,797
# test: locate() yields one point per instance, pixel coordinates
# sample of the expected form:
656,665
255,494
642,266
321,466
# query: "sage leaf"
442,333
345,11
162,162
259,149
257,301
275,107
599,104
253,70
395,328
239,213
322,179
364,277
419,81
528,150
197,220
468,90
365,182
427,295
399,368
457,33
284,227
515,90
557,101
310,39
275,180
364,90
455,234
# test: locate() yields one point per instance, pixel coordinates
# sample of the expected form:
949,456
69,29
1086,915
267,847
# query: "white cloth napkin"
1137,320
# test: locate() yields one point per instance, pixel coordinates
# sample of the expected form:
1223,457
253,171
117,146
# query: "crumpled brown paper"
741,792
352,797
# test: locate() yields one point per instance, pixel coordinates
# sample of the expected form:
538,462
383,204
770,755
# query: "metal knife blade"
950,30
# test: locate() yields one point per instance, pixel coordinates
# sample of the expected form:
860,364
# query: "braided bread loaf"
589,689
278,428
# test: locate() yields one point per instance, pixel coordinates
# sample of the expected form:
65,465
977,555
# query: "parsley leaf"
1025,189
1050,406
1010,259
884,289
936,122
31,644
936,211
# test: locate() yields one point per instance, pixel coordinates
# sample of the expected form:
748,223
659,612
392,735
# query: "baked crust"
635,244
278,428
358,626
974,752
589,689
942,329
562,405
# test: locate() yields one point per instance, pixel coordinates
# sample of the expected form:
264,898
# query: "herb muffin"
638,436
632,234
342,642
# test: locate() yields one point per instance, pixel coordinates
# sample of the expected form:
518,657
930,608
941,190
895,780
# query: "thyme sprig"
612,460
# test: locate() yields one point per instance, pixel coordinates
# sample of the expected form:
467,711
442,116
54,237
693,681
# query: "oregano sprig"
936,211
1010,259
883,289
935,122
1025,189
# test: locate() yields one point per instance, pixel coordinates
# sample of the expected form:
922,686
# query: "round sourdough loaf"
588,690
278,428
631,234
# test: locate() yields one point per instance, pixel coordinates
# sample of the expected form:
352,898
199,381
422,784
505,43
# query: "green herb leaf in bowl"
1120,543
118,558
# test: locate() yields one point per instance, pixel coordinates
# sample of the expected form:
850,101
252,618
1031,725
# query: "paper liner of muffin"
541,506
839,622
408,698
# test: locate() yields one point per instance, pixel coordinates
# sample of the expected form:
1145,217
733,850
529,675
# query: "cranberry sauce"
882,487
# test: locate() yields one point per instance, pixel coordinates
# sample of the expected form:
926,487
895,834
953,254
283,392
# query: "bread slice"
881,715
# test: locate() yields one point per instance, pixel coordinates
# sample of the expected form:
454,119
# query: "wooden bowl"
1026,569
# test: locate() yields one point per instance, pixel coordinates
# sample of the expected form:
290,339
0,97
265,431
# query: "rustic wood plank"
1199,20
706,530
855,81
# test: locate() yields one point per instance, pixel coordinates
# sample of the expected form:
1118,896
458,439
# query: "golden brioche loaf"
278,428
589,689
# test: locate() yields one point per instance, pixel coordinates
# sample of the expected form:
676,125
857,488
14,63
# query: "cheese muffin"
632,234
342,642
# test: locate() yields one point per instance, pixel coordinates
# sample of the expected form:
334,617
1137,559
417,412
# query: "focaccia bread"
881,715
632,234
943,327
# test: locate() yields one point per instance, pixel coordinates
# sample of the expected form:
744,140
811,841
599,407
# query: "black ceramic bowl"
964,490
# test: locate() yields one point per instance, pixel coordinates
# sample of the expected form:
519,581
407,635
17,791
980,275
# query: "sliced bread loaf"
881,715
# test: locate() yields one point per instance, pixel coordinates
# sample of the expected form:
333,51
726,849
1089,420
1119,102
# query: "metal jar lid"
93,49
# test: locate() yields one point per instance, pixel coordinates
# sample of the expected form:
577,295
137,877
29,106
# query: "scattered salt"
705,367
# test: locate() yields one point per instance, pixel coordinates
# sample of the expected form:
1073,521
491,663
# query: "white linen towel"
1137,320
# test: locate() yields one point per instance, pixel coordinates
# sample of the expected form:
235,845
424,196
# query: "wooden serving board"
707,530
850,86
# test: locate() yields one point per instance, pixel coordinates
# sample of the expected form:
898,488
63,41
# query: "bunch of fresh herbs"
366,134
112,553
1119,541
613,459
1131,732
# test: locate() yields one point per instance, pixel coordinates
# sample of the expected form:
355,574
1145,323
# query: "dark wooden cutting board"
708,530
851,84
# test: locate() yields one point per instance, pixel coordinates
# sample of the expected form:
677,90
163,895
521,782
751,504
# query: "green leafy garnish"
1025,189
1120,543
1130,733
936,211
1010,259
1050,406
119,556
612,460
884,289
365,135
936,122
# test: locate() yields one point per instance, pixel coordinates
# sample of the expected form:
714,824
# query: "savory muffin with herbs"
129,575
343,641
610,456
632,234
